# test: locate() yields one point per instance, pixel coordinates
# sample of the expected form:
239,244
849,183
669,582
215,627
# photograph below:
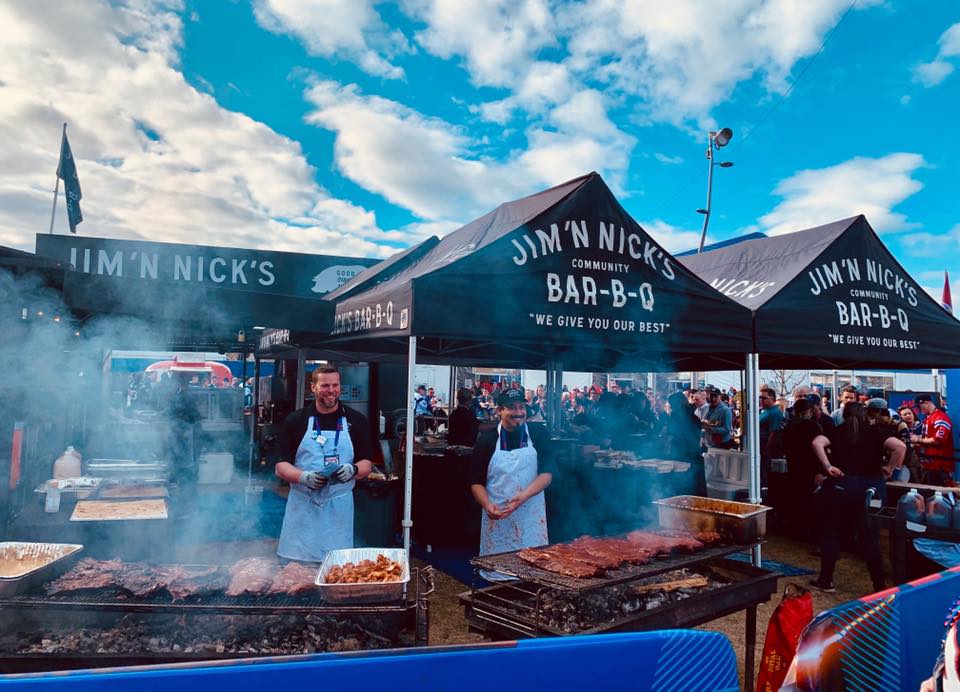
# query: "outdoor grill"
36,616
541,603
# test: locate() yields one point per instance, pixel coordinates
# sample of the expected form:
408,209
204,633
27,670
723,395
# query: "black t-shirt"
798,439
861,458
295,427
462,427
489,441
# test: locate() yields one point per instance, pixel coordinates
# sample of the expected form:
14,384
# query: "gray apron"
317,521
509,473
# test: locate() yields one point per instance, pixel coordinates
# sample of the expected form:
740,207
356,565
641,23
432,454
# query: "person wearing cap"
880,415
508,474
802,468
936,443
462,424
819,415
718,422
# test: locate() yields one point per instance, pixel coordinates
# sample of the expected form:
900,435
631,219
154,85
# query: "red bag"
786,624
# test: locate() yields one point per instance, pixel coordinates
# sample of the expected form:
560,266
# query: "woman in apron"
508,484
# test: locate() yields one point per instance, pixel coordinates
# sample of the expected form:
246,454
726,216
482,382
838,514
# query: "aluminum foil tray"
43,561
362,593
739,522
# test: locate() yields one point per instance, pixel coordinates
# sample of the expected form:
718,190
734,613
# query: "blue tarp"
664,661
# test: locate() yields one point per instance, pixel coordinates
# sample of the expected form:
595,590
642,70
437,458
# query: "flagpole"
56,189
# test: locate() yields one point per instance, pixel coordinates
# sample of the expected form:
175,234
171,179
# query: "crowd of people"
839,460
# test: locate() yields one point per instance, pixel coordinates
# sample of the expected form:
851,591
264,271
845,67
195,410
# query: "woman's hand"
494,512
834,472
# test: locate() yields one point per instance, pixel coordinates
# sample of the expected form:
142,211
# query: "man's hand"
834,472
312,480
345,473
888,472
511,505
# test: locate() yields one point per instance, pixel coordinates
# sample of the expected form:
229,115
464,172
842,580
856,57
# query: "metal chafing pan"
362,593
55,559
739,522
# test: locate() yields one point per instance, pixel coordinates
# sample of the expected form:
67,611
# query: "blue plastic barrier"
887,641
668,660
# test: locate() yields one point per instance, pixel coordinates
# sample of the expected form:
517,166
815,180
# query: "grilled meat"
589,557
142,580
252,575
660,543
566,565
295,579
365,572
616,548
87,574
185,581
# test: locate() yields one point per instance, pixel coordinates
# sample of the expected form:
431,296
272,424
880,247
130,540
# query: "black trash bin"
375,505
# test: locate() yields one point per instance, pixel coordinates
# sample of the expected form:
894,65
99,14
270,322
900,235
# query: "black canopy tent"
563,276
562,279
832,296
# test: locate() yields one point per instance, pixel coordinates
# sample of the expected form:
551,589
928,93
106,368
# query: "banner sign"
269,288
260,271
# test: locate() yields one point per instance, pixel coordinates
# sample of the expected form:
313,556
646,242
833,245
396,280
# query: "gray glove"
345,473
312,480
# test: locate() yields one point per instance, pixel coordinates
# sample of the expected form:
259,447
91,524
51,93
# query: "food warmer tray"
363,593
61,556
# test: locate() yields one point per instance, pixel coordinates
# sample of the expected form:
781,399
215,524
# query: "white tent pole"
411,430
301,378
751,402
834,395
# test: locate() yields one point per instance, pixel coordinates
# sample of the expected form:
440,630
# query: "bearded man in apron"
507,477
326,448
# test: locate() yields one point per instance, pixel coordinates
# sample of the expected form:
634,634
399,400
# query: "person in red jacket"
936,444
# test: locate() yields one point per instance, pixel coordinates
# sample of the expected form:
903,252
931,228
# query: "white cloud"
681,58
933,73
667,159
673,238
872,187
925,244
498,39
427,165
208,175
349,29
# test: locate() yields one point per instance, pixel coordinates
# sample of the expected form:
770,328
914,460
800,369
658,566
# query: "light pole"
715,140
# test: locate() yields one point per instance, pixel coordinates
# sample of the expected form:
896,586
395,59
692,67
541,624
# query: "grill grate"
513,610
217,603
512,565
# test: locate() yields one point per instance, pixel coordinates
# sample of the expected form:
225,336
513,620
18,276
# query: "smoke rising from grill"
57,387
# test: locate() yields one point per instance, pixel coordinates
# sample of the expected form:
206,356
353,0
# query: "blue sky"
357,127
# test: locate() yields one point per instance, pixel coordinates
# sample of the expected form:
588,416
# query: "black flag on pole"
67,172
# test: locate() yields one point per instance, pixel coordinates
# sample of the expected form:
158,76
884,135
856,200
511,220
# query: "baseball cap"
878,403
510,397
813,399
922,398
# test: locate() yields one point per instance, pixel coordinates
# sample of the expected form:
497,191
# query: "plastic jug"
938,512
67,464
911,507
